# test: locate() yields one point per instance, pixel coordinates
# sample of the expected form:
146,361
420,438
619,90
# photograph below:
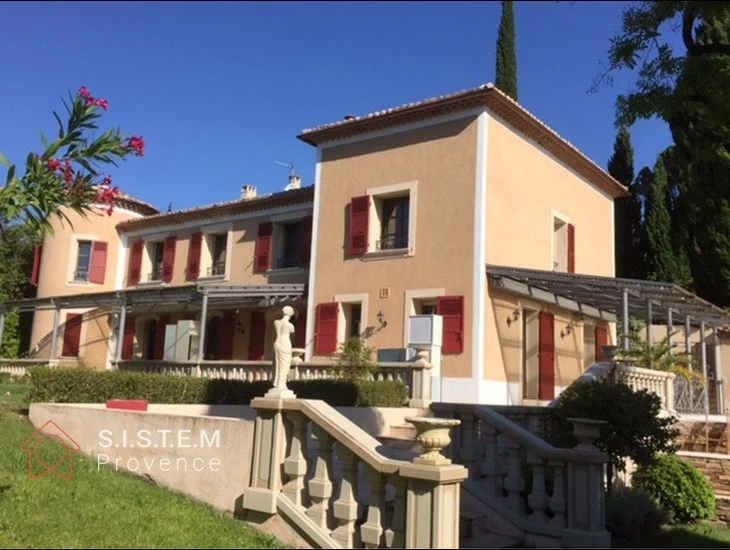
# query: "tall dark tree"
506,79
627,210
658,227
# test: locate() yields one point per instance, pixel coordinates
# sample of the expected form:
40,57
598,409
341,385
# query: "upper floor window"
218,250
90,262
156,251
289,243
83,261
394,223
563,246
383,220
283,245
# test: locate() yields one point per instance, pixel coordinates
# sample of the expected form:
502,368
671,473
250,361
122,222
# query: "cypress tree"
658,227
506,79
627,210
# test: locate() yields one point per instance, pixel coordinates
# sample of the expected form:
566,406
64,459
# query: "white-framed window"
83,261
287,244
353,314
155,257
87,260
383,221
420,301
218,248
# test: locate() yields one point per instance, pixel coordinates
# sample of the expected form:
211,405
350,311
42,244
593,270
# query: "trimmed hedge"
681,489
82,385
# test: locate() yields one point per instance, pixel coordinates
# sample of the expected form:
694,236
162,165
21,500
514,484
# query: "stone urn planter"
297,357
433,435
586,431
610,352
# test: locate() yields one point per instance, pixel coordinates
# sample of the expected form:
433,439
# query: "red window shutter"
305,242
571,248
135,262
300,329
257,337
262,259
546,356
325,337
128,338
451,308
168,259
36,264
225,339
601,340
193,269
97,270
359,218
162,322
72,335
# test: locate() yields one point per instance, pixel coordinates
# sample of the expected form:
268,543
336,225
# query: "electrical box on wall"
426,330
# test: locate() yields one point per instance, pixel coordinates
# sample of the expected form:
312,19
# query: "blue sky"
220,90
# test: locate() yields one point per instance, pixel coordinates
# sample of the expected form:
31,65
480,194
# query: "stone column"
433,486
421,379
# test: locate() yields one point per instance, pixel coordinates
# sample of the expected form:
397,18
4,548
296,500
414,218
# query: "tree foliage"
67,173
355,359
506,73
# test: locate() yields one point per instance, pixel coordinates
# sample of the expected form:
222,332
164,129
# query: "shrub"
80,385
355,359
681,489
634,428
632,513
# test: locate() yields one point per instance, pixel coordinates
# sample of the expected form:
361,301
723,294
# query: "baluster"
538,496
557,500
371,531
295,465
468,451
514,482
395,534
320,487
346,508
490,466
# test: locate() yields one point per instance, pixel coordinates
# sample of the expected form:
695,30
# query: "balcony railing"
155,274
392,241
287,261
81,275
218,268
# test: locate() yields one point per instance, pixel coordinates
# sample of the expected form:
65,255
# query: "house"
465,210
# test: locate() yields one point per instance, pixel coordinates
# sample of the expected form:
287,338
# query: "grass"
701,535
98,508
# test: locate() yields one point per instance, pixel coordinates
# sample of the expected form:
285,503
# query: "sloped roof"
487,95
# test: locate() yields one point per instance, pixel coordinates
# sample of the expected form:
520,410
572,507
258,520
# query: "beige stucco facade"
56,278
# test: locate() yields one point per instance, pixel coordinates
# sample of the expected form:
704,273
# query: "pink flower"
68,173
84,92
136,144
89,100
103,103
110,210
53,164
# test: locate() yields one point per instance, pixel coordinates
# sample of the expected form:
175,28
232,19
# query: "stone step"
403,431
490,540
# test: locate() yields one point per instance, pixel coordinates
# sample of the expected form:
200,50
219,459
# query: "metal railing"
81,275
287,261
218,268
392,241
155,274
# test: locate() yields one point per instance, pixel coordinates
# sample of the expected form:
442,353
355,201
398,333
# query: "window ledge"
285,271
211,278
391,253
78,283
144,284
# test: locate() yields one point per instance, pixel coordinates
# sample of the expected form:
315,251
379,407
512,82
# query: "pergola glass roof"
603,296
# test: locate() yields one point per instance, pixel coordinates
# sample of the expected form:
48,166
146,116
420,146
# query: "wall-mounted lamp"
239,327
381,319
513,318
567,330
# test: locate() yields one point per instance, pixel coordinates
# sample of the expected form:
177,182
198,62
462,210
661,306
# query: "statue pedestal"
280,393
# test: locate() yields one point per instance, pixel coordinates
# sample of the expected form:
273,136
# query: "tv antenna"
289,165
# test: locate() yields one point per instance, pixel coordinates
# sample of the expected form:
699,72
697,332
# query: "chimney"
295,182
248,192
350,117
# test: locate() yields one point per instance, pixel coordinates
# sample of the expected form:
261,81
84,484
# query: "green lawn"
683,536
103,508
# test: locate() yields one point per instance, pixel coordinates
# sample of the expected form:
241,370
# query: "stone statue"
283,348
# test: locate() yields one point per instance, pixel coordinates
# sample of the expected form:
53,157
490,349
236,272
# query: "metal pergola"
607,297
188,298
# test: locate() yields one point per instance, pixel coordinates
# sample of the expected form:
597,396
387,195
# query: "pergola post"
120,332
54,333
670,328
703,354
625,318
688,351
203,323
719,382
649,331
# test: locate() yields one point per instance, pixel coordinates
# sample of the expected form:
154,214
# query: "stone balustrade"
555,496
658,382
416,375
323,473
19,367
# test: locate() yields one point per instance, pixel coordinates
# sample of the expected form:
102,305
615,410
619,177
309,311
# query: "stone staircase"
703,437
